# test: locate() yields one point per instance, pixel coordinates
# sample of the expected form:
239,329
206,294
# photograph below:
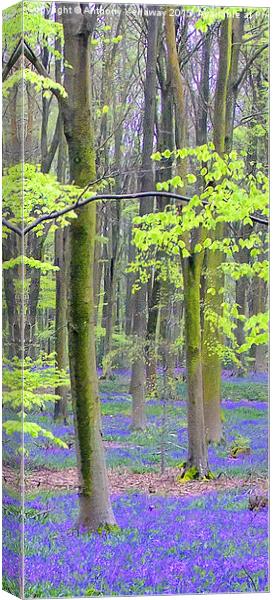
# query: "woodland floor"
123,480
173,538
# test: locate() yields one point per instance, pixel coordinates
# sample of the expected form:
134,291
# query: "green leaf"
156,156
191,178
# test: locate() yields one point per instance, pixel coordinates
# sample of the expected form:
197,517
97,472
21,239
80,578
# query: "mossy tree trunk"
177,88
232,93
197,448
204,91
95,506
214,277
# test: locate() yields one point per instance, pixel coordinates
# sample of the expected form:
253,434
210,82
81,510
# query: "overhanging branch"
12,227
108,197
17,52
248,65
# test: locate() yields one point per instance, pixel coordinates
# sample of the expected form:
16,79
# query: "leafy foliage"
41,192
37,28
40,83
226,195
39,378
44,267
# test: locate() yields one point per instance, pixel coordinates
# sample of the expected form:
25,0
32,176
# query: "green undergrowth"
233,391
244,413
245,391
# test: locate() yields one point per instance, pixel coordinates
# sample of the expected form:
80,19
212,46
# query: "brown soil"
123,480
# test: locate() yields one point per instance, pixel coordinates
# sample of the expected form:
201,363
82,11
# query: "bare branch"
17,52
248,65
77,205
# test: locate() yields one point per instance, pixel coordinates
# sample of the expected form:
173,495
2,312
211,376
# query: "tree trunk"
166,332
110,297
241,286
129,284
197,447
231,100
98,263
11,249
95,506
137,386
60,409
165,140
258,305
241,293
204,90
214,277
151,359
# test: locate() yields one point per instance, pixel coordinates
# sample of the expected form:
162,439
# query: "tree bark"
112,282
231,100
214,277
34,249
95,506
11,249
137,386
60,408
166,139
258,305
204,91
197,447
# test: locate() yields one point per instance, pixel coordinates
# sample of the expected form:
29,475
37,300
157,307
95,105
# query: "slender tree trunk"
34,249
178,89
61,257
241,294
204,91
197,447
98,263
112,283
166,331
180,114
231,100
258,305
151,359
137,386
60,409
220,113
95,505
165,140
214,277
129,285
11,249
241,286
